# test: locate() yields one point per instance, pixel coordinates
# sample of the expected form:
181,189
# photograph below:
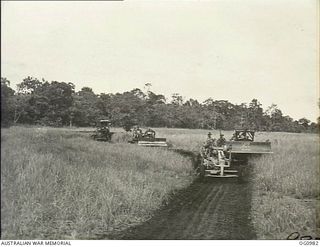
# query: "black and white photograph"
160,120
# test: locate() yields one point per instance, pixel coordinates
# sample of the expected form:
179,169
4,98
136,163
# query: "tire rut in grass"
207,209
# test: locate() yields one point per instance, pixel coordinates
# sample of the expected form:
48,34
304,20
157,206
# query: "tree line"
40,102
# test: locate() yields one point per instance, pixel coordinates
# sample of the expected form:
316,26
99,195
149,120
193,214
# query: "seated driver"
104,130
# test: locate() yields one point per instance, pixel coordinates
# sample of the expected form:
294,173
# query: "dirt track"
207,209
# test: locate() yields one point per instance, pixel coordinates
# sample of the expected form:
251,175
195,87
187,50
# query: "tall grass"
57,183
61,185
286,187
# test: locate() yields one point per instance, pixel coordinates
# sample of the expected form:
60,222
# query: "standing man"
207,149
138,132
134,132
210,141
221,141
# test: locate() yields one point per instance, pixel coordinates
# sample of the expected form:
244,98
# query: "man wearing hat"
221,141
210,141
207,148
138,131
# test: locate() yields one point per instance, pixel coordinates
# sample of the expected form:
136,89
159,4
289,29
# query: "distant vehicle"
103,133
148,138
218,162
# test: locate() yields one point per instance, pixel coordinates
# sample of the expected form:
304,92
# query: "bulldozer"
220,159
242,142
148,138
102,132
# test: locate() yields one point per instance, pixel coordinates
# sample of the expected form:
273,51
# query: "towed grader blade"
247,147
243,142
156,142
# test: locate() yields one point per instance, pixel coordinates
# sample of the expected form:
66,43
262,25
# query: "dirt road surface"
208,209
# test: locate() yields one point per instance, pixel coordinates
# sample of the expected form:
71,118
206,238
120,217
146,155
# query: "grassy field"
285,184
58,184
286,187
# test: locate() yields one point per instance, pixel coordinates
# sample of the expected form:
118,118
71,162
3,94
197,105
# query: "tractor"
148,138
102,132
216,161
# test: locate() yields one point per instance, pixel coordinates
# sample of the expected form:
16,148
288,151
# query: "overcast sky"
231,50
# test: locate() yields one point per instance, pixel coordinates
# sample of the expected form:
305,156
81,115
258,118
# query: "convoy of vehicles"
219,159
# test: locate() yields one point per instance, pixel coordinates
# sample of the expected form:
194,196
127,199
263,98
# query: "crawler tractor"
148,138
103,133
219,160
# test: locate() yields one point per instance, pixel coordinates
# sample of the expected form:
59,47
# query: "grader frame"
239,148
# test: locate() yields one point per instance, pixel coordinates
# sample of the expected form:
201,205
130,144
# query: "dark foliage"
58,104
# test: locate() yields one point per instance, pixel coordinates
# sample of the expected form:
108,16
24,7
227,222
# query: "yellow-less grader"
218,160
148,138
